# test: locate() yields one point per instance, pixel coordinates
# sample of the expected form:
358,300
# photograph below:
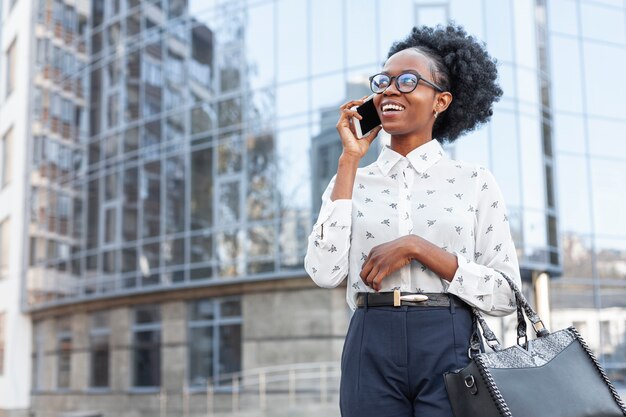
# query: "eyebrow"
401,72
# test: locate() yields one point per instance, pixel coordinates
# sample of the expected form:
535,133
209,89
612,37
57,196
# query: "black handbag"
554,375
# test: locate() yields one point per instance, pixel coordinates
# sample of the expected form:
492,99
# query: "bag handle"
523,307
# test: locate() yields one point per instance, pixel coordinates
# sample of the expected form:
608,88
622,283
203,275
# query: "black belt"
380,299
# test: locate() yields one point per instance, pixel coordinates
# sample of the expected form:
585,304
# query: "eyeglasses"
405,82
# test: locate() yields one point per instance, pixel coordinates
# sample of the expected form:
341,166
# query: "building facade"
162,162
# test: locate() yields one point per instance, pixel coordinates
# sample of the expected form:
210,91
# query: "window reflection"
175,195
261,177
292,32
259,40
573,185
569,133
201,198
603,23
151,196
610,257
609,205
229,252
606,138
613,59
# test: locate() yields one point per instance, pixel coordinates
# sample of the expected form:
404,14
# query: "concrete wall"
280,327
15,380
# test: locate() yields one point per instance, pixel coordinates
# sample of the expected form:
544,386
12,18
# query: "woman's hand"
351,145
387,258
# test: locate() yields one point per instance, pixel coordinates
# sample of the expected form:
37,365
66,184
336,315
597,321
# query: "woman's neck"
405,144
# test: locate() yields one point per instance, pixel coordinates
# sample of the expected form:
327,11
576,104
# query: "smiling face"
412,113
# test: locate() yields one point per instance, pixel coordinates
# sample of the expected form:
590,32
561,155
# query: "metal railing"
258,392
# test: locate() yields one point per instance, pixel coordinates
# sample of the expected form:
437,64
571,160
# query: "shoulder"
466,167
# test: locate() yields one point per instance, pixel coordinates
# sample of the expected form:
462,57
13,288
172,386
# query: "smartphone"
370,117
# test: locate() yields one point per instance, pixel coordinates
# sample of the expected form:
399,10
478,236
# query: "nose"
392,89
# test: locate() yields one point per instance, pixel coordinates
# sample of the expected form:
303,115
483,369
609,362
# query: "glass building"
176,153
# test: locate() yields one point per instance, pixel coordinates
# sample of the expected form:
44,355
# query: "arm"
477,279
326,259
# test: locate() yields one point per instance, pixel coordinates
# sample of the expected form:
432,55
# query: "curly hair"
462,66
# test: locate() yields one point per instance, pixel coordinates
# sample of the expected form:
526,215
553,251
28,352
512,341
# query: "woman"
415,224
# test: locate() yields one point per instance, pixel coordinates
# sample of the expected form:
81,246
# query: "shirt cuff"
339,210
457,286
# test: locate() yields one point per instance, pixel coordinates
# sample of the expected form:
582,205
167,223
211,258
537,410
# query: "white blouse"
455,205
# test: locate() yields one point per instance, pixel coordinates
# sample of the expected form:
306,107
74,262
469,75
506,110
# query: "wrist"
349,159
415,248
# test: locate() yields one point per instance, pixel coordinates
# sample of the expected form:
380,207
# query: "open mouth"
391,108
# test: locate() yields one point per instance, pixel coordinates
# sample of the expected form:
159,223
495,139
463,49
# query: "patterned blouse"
455,205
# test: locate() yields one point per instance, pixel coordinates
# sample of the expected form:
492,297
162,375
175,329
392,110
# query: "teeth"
396,107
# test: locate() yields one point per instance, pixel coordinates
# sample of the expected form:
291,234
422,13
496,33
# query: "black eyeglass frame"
391,79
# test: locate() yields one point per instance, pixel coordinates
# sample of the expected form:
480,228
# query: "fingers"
352,103
369,278
377,282
372,135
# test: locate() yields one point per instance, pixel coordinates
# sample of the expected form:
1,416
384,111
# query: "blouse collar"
420,158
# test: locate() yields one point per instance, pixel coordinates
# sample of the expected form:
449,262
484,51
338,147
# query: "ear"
442,101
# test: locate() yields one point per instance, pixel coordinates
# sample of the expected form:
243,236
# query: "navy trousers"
394,358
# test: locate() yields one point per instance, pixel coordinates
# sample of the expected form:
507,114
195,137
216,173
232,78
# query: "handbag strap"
523,307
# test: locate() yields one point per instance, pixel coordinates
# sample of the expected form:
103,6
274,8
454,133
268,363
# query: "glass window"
261,177
603,23
64,352
6,158
292,99
229,198
2,340
505,149
563,16
528,85
569,132
431,14
175,194
38,355
260,54
606,138
327,53
393,29
151,195
610,254
201,209
201,248
99,348
4,247
11,67
214,340
573,188
361,26
499,29
533,178
229,253
174,251
609,205
201,65
147,346
294,169
292,32
328,92
525,40
613,60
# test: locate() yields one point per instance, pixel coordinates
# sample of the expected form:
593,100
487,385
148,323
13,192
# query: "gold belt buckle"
397,298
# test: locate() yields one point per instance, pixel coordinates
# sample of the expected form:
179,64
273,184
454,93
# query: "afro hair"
462,66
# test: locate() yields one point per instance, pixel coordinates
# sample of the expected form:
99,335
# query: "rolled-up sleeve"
478,281
327,257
